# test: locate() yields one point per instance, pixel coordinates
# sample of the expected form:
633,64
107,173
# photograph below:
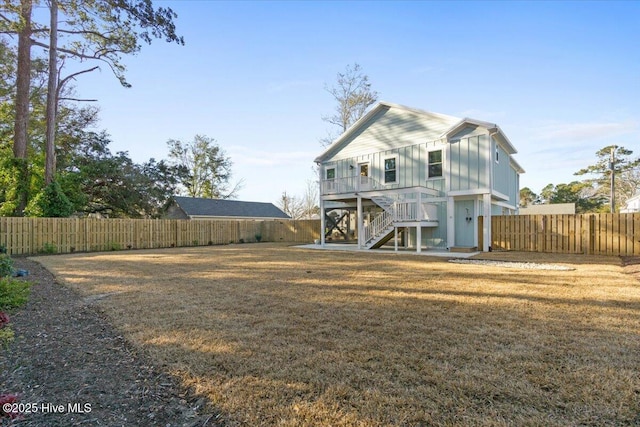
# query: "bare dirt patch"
272,335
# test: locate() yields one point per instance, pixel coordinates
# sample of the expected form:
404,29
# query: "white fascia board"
468,192
504,141
493,129
499,195
516,165
504,205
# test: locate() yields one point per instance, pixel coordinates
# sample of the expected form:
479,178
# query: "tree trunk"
23,81
52,98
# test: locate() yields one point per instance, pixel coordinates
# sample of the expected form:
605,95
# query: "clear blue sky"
560,78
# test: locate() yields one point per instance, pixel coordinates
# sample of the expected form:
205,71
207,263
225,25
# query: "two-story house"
428,175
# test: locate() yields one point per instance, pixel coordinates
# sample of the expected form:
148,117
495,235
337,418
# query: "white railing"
400,211
429,212
349,184
377,226
406,211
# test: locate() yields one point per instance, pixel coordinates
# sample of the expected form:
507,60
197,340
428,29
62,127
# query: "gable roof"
443,120
493,128
194,206
450,124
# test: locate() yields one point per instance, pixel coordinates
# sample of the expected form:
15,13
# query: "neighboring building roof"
550,209
448,126
199,207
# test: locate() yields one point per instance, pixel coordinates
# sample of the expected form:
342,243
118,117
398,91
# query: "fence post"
588,234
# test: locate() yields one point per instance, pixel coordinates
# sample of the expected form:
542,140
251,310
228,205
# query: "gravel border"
513,264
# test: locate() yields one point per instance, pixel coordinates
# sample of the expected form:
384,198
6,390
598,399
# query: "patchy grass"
274,335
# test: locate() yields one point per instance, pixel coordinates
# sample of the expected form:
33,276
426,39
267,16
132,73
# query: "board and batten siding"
503,173
392,128
467,163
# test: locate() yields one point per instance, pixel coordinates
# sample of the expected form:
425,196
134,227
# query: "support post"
360,224
418,239
395,237
451,227
323,222
486,223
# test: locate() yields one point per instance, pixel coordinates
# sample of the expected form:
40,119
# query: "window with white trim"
331,173
435,163
390,170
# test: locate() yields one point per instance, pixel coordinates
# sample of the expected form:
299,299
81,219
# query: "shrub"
13,293
49,248
6,265
258,237
6,333
50,203
4,399
4,319
6,337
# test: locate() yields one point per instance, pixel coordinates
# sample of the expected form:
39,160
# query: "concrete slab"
389,251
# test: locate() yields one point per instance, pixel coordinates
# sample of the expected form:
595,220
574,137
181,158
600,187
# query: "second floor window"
390,170
331,173
435,163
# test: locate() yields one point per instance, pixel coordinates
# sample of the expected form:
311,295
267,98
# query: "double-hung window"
435,163
391,170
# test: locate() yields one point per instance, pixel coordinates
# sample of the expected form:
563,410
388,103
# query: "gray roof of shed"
194,206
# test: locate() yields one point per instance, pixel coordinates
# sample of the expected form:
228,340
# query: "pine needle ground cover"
275,335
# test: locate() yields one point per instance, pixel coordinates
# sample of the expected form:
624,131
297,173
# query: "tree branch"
5,18
77,99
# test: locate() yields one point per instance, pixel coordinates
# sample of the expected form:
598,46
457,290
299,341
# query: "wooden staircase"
380,230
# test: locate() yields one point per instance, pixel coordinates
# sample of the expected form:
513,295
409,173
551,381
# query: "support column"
418,239
323,222
360,221
486,223
451,226
395,237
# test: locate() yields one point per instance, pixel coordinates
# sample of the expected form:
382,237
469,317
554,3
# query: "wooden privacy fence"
596,234
65,235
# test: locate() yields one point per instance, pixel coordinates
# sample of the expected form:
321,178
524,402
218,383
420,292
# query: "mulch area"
66,353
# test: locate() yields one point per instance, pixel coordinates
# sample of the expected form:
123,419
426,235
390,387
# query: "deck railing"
349,184
380,223
400,212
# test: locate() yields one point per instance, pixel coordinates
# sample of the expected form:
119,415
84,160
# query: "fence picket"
24,236
599,234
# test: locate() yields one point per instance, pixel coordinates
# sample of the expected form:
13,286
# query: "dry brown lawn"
275,335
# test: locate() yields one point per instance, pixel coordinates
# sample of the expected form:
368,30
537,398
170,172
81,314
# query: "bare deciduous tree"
310,200
353,94
291,205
